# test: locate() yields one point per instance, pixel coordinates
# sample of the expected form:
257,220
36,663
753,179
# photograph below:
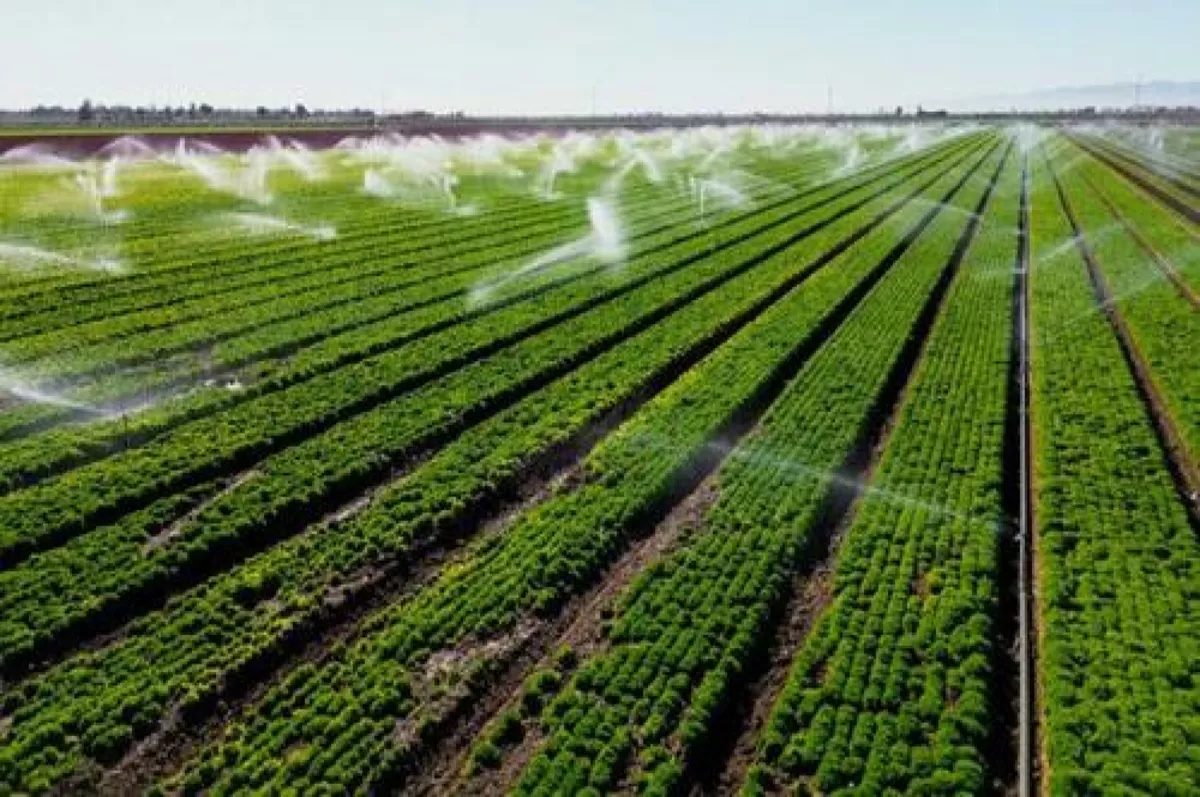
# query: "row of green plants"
170,255
1166,234
235,438
164,210
113,566
383,258
360,340
1118,590
264,274
335,279
158,202
351,259
93,707
1180,144
345,713
165,355
445,275
167,236
206,265
1152,185
373,264
890,692
1185,180
181,252
682,641
1161,322
113,353
1181,178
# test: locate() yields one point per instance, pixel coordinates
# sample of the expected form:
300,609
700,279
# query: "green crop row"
1176,147
111,567
160,196
680,642
375,260
168,258
134,340
1167,235
1151,185
94,706
169,261
1182,143
389,252
889,694
163,357
356,700
233,439
41,456
196,347
1161,322
355,257
338,276
216,264
1118,584
1181,177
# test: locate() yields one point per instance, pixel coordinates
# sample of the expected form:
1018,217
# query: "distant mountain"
1112,95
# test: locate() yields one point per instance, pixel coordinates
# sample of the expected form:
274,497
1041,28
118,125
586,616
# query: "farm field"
743,460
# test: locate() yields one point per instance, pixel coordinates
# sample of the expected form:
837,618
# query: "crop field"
743,460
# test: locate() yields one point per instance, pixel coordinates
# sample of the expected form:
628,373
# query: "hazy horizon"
540,57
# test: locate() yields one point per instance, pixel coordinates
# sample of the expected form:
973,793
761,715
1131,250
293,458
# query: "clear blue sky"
531,56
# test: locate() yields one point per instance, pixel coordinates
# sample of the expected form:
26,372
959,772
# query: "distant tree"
87,112
205,109
301,111
899,110
262,110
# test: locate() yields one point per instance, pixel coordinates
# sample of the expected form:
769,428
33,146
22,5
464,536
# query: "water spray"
605,243
26,257
262,224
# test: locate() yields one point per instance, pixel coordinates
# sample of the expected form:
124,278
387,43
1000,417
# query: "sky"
558,56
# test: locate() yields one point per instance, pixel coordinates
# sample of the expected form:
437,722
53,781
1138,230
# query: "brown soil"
580,626
812,591
809,598
346,605
811,595
172,744
174,530
443,768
